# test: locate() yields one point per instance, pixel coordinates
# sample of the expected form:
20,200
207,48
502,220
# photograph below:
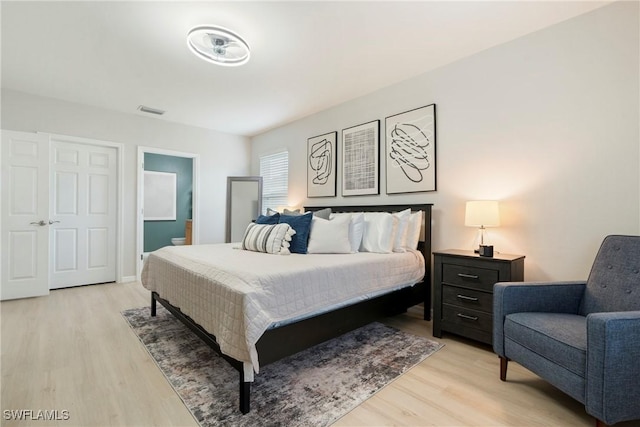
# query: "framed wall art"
321,165
361,159
411,151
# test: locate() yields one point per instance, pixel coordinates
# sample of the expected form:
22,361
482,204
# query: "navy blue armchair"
582,337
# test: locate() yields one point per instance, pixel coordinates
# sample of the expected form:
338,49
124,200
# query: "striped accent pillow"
268,238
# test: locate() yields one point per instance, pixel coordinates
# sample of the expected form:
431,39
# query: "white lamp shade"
482,213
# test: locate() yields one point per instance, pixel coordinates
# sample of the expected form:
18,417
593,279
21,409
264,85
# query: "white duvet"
236,294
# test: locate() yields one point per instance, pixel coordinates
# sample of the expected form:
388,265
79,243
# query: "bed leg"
245,394
153,305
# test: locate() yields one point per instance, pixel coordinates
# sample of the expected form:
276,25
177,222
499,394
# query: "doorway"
168,186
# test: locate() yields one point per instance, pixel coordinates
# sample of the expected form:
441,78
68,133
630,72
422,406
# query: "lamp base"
485,250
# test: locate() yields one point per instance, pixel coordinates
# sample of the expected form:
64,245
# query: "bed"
264,314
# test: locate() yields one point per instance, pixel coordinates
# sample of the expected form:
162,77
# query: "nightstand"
463,291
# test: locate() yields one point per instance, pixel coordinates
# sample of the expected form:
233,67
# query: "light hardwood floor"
73,351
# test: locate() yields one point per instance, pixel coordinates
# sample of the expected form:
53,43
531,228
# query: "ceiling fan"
218,45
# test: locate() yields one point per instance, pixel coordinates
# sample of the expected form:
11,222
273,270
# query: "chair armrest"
517,297
613,350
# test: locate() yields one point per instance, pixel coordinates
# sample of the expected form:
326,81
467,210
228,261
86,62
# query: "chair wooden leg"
503,368
601,423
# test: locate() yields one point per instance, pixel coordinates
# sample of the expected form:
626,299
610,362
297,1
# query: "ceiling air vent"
150,110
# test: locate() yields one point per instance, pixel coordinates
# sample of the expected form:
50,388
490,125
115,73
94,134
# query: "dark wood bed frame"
289,339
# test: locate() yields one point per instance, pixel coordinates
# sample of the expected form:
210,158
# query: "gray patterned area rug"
312,388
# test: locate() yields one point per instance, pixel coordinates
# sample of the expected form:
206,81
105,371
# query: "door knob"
52,222
41,223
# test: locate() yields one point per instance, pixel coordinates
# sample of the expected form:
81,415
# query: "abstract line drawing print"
321,165
360,159
408,149
410,154
320,161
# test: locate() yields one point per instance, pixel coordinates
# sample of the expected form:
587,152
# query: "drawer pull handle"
464,316
466,298
467,276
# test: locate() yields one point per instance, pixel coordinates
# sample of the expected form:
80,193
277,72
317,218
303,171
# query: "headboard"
425,240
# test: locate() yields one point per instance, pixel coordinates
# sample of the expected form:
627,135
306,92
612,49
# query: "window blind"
274,170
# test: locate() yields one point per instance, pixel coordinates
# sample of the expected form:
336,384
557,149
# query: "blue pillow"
302,225
268,219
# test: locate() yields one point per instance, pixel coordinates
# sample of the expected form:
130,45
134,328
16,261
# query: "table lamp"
482,213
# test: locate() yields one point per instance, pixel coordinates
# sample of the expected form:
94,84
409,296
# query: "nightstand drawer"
474,277
467,298
454,315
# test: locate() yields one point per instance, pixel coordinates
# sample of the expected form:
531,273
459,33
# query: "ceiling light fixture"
218,45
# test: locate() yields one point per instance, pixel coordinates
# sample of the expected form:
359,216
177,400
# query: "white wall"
547,124
221,154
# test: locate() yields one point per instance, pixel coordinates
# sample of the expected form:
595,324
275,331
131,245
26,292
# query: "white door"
25,215
83,214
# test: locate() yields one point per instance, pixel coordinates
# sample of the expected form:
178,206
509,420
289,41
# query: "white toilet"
178,241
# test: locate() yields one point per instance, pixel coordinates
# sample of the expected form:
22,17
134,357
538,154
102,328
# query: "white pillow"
329,236
268,238
400,241
379,232
413,230
356,231
356,228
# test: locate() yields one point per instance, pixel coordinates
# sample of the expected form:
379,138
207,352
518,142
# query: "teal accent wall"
158,234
